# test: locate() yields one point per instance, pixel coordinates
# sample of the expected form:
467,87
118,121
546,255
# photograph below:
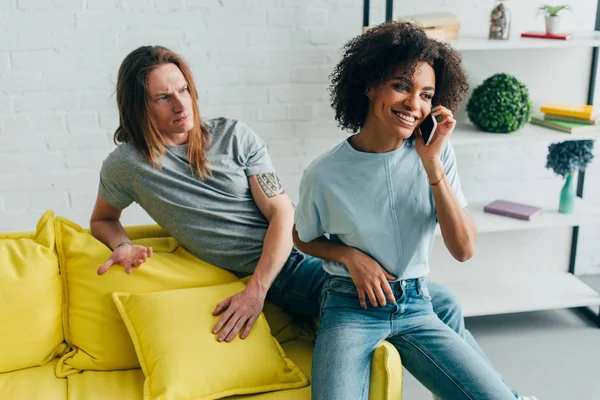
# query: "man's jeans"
299,286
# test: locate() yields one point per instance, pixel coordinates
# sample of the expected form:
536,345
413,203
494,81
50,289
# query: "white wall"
263,61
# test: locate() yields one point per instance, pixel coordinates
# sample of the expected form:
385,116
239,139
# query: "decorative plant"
500,104
552,11
567,157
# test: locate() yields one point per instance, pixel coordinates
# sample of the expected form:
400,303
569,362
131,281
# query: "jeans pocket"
424,291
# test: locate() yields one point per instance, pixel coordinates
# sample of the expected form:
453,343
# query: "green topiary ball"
500,104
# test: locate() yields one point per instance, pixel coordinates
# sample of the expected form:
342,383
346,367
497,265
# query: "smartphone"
428,129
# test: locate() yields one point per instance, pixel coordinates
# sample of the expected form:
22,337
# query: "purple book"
513,210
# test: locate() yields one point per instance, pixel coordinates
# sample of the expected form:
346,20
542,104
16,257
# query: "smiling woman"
368,64
370,207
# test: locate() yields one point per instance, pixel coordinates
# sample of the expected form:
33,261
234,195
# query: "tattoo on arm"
270,184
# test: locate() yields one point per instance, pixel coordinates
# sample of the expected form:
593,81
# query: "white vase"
552,24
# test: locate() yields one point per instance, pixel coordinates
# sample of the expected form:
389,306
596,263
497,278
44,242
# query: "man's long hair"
136,124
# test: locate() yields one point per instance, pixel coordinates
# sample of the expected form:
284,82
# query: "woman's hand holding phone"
445,125
431,154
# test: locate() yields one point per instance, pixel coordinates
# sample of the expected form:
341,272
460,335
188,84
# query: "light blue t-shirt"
380,203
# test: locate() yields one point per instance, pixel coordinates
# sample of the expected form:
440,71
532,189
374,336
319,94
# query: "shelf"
471,42
466,133
490,294
548,218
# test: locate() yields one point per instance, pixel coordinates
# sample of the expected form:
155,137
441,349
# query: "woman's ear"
369,93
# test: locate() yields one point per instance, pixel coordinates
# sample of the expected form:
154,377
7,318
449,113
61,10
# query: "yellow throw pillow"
92,324
30,298
181,357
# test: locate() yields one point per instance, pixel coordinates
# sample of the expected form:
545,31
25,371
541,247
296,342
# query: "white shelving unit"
489,291
549,217
483,294
466,133
472,42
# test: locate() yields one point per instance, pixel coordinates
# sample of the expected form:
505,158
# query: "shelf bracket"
595,317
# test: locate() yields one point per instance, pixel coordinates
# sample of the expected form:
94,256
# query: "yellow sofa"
61,336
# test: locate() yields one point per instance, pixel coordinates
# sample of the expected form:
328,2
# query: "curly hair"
371,58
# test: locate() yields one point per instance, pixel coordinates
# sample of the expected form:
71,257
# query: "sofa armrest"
386,373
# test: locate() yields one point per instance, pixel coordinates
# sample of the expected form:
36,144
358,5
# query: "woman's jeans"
301,287
432,352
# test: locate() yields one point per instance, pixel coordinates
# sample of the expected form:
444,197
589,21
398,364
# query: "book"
441,34
431,20
511,209
594,121
544,35
564,126
569,110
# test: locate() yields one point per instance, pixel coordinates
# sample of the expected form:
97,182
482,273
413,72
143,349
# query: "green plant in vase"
552,16
566,158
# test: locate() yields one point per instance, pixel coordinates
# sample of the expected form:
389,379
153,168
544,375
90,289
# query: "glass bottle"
500,21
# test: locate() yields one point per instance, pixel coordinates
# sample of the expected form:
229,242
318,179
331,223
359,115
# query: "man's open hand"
236,311
129,257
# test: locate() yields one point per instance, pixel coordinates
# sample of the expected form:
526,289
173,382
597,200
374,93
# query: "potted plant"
500,104
565,159
552,17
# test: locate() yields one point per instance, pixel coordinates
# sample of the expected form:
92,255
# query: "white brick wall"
263,61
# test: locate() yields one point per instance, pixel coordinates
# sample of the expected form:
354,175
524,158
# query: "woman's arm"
458,229
370,278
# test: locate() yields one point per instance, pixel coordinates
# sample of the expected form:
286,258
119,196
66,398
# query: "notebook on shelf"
544,35
583,111
511,209
564,126
594,121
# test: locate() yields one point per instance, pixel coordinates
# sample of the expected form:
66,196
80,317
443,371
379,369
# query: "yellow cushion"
129,384
30,298
181,358
37,383
301,352
386,378
92,324
107,385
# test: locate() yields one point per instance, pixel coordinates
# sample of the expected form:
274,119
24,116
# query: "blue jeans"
299,287
432,352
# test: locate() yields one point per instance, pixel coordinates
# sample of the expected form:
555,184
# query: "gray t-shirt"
216,219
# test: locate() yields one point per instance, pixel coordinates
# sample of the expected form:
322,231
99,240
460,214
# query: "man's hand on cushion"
129,257
236,311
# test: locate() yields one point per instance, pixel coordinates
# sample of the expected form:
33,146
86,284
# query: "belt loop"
418,285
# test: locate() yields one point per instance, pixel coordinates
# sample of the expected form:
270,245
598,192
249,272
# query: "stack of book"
440,26
570,118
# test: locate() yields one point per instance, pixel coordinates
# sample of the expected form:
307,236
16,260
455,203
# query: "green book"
565,126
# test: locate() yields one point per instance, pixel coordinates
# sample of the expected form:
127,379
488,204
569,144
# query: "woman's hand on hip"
370,278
